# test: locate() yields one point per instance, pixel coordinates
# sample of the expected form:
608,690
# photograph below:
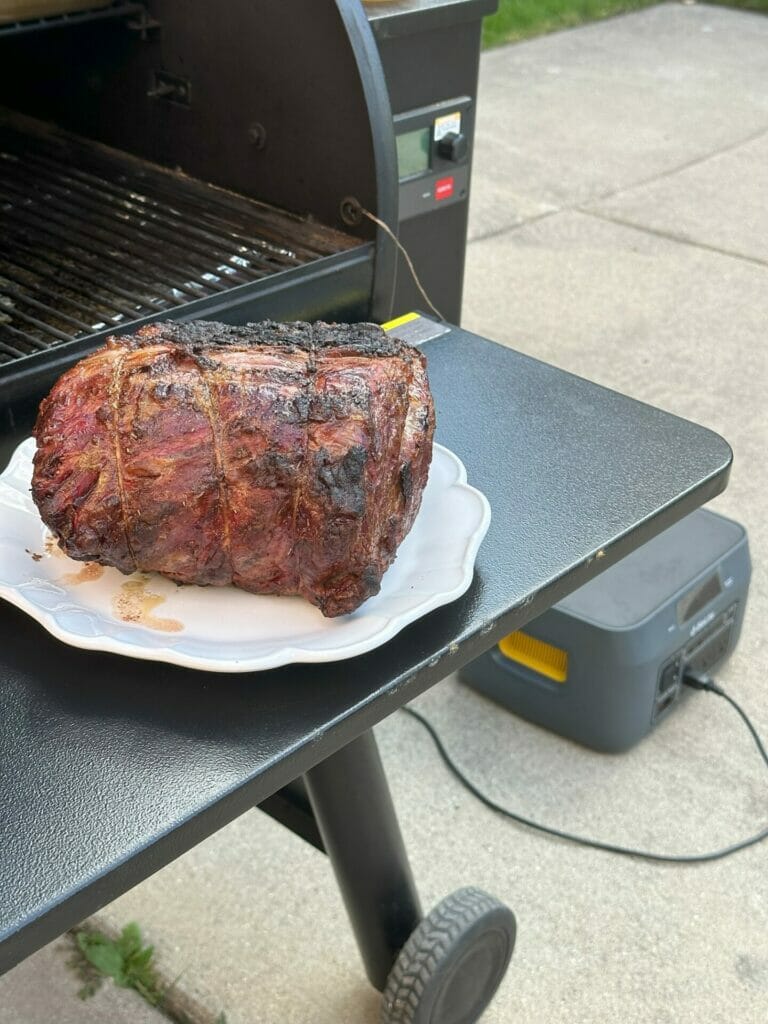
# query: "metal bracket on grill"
166,86
144,23
351,210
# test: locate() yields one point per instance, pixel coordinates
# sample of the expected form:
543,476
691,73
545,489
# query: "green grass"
129,963
519,19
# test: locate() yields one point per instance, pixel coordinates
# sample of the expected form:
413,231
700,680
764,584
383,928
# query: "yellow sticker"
399,321
415,329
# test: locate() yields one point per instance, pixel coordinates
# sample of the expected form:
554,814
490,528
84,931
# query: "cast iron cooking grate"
117,9
93,238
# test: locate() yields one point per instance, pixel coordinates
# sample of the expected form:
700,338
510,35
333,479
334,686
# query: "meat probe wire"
388,230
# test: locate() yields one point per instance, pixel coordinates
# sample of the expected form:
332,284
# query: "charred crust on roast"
273,469
329,406
343,480
371,579
406,480
358,339
201,338
344,589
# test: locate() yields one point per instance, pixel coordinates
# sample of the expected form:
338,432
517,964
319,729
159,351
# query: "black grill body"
186,160
430,50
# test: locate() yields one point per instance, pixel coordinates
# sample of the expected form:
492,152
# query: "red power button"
444,188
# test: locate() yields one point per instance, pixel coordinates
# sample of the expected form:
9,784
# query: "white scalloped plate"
223,629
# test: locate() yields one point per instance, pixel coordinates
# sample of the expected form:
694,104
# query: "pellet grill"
194,160
186,159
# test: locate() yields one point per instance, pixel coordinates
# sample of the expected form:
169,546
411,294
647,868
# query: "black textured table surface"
110,768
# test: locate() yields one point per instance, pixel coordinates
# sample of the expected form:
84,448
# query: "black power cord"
697,682
702,682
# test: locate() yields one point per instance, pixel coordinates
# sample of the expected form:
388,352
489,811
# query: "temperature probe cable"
695,681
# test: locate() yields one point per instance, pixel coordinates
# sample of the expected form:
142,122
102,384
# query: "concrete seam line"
520,224
582,207
670,236
672,171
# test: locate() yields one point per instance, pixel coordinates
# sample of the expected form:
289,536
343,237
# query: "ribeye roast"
283,458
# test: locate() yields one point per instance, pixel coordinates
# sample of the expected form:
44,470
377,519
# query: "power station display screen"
699,598
413,152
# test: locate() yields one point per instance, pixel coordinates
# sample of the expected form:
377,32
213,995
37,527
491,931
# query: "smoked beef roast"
282,458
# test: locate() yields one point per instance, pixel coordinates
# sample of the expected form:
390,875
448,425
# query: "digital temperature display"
413,151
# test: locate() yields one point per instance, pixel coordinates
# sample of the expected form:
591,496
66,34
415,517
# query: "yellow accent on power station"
544,658
404,319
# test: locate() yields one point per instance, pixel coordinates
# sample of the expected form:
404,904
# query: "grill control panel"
433,155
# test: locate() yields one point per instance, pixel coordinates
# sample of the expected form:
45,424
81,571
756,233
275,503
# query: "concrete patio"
619,230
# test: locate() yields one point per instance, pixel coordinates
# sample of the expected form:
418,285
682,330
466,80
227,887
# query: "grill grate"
116,9
93,239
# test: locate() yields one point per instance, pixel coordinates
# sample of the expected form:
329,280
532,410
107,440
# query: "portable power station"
606,664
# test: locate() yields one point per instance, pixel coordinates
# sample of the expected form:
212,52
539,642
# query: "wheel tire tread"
426,948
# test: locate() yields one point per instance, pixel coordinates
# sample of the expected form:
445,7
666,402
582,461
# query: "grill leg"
354,812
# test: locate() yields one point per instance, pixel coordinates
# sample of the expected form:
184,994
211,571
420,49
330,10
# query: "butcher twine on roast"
283,458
